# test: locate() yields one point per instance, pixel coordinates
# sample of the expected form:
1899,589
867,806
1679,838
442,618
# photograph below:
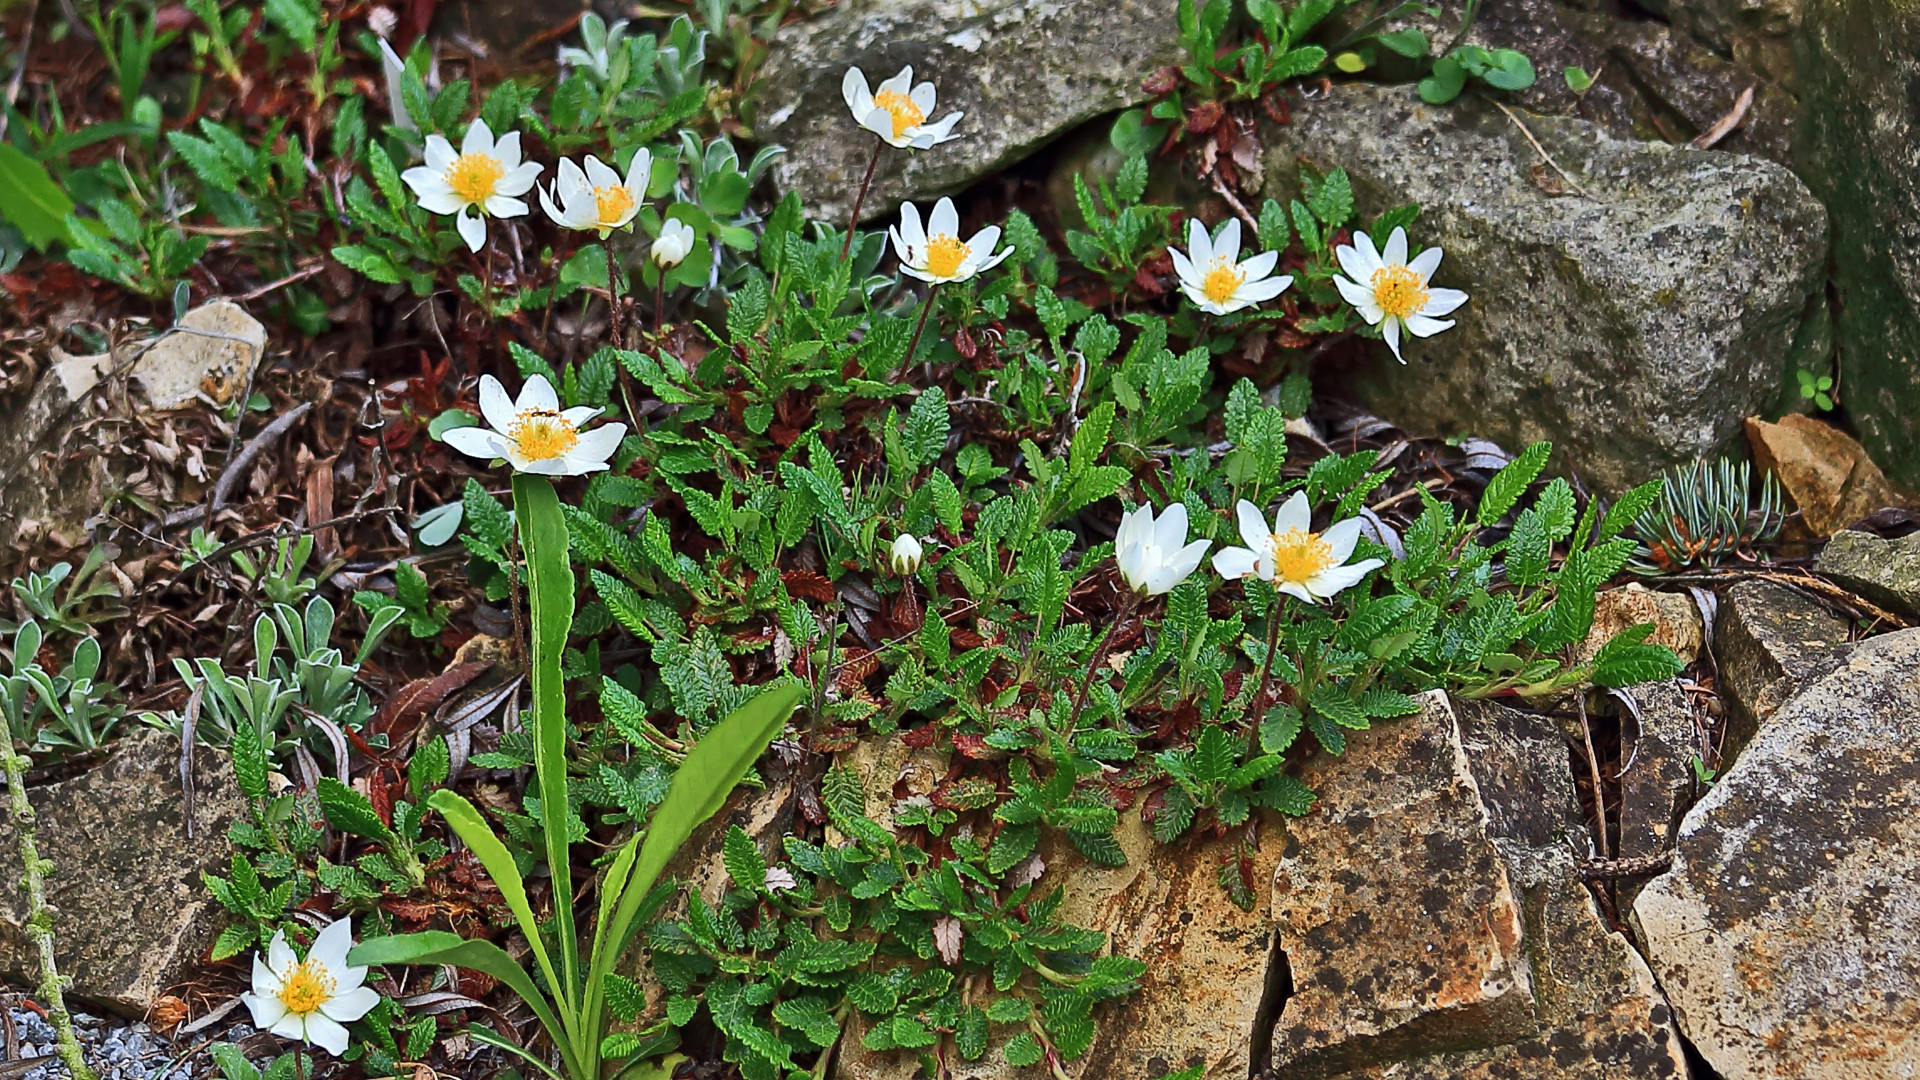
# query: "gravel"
120,1049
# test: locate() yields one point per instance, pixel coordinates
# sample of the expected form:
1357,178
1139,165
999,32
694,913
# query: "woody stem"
865,182
1099,657
613,293
906,363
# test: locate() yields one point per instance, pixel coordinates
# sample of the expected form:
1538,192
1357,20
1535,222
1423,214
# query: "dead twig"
1541,150
1725,125
237,468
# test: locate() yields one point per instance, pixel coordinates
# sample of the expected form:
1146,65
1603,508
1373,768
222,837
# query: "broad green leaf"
30,199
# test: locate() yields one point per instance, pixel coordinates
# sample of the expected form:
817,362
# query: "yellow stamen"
901,107
1398,291
308,988
543,436
1300,556
614,203
1223,281
473,177
945,254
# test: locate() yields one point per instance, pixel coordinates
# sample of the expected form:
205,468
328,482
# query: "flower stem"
613,293
39,921
906,364
866,181
1099,657
659,301
1266,665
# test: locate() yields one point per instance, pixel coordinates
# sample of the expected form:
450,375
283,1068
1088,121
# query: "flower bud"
906,555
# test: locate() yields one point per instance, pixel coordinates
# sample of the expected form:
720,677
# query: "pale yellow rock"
214,347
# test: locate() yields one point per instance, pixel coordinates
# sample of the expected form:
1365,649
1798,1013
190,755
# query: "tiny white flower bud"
906,555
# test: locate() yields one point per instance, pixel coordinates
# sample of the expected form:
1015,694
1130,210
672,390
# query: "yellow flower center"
543,436
308,988
944,256
1223,281
614,203
474,176
1300,556
1398,291
901,107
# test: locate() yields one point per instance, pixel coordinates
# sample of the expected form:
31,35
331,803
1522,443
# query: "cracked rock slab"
132,914
1784,932
1768,641
1023,71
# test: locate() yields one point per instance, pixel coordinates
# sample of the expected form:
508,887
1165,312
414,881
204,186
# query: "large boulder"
1023,71
128,846
1858,146
1634,325
1784,932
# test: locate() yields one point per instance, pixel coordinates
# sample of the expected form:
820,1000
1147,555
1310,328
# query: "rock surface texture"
1886,572
1858,146
1784,933
1670,293
1023,71
1768,641
133,916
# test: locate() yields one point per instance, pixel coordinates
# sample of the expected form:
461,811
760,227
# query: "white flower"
1390,292
394,67
897,112
1154,556
906,555
779,879
310,999
382,21
940,256
673,245
1213,277
485,174
533,434
597,198
1294,559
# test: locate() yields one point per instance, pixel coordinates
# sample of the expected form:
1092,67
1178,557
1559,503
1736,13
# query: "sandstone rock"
1024,71
1784,933
1886,572
1767,641
1670,294
1858,147
1385,936
213,347
1675,618
133,917
1826,472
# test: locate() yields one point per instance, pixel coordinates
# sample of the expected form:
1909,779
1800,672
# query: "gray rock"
1768,640
1433,923
1886,572
1858,147
1634,326
132,914
1784,933
1024,71
1756,33
1657,787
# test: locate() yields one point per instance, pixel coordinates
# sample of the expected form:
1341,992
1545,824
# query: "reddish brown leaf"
807,585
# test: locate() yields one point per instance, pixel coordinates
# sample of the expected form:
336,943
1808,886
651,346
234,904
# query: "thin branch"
1571,182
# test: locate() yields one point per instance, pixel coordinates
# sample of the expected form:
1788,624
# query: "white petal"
330,948
559,216
1421,326
1369,254
1352,263
472,229
1233,562
880,122
1390,329
1260,265
927,135
1330,582
1443,301
1294,514
1227,247
442,202
264,980
538,396
1128,537
1297,590
1170,532
579,415
599,444
900,249
507,150
1183,267
1259,292
280,956
910,228
1396,250
351,1005
901,83
922,97
267,1009
640,173
495,404
478,442
853,90
440,154
1253,526
518,179
572,179
600,174
1199,244
1425,263
290,1026
978,263
479,138
326,1034
502,207
1354,293
915,272
1340,539
945,220
983,242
